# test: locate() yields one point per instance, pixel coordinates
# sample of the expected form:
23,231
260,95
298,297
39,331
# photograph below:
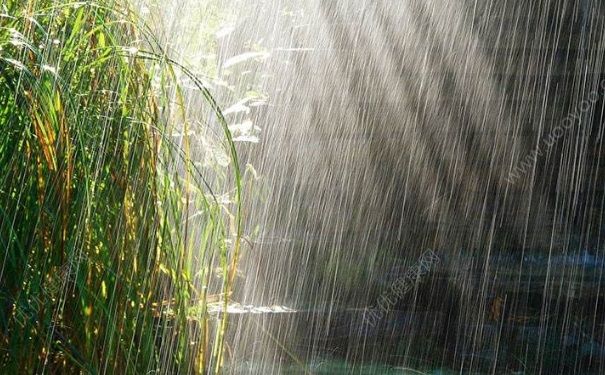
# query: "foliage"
111,235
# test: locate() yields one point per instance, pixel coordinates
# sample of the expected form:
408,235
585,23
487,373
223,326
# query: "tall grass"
113,241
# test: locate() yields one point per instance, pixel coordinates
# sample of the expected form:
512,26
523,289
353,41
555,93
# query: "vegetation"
115,243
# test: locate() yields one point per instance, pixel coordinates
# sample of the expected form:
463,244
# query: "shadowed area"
384,129
395,127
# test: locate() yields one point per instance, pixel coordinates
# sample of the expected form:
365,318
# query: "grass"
114,242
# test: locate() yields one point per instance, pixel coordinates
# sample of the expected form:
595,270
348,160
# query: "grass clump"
111,236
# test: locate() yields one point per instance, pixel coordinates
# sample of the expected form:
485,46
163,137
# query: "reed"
114,242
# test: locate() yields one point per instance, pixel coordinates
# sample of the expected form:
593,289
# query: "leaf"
238,107
223,32
246,138
243,128
244,57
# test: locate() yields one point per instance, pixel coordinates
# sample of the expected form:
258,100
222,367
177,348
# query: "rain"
341,187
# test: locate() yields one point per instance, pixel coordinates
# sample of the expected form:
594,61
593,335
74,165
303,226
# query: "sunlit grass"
111,234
